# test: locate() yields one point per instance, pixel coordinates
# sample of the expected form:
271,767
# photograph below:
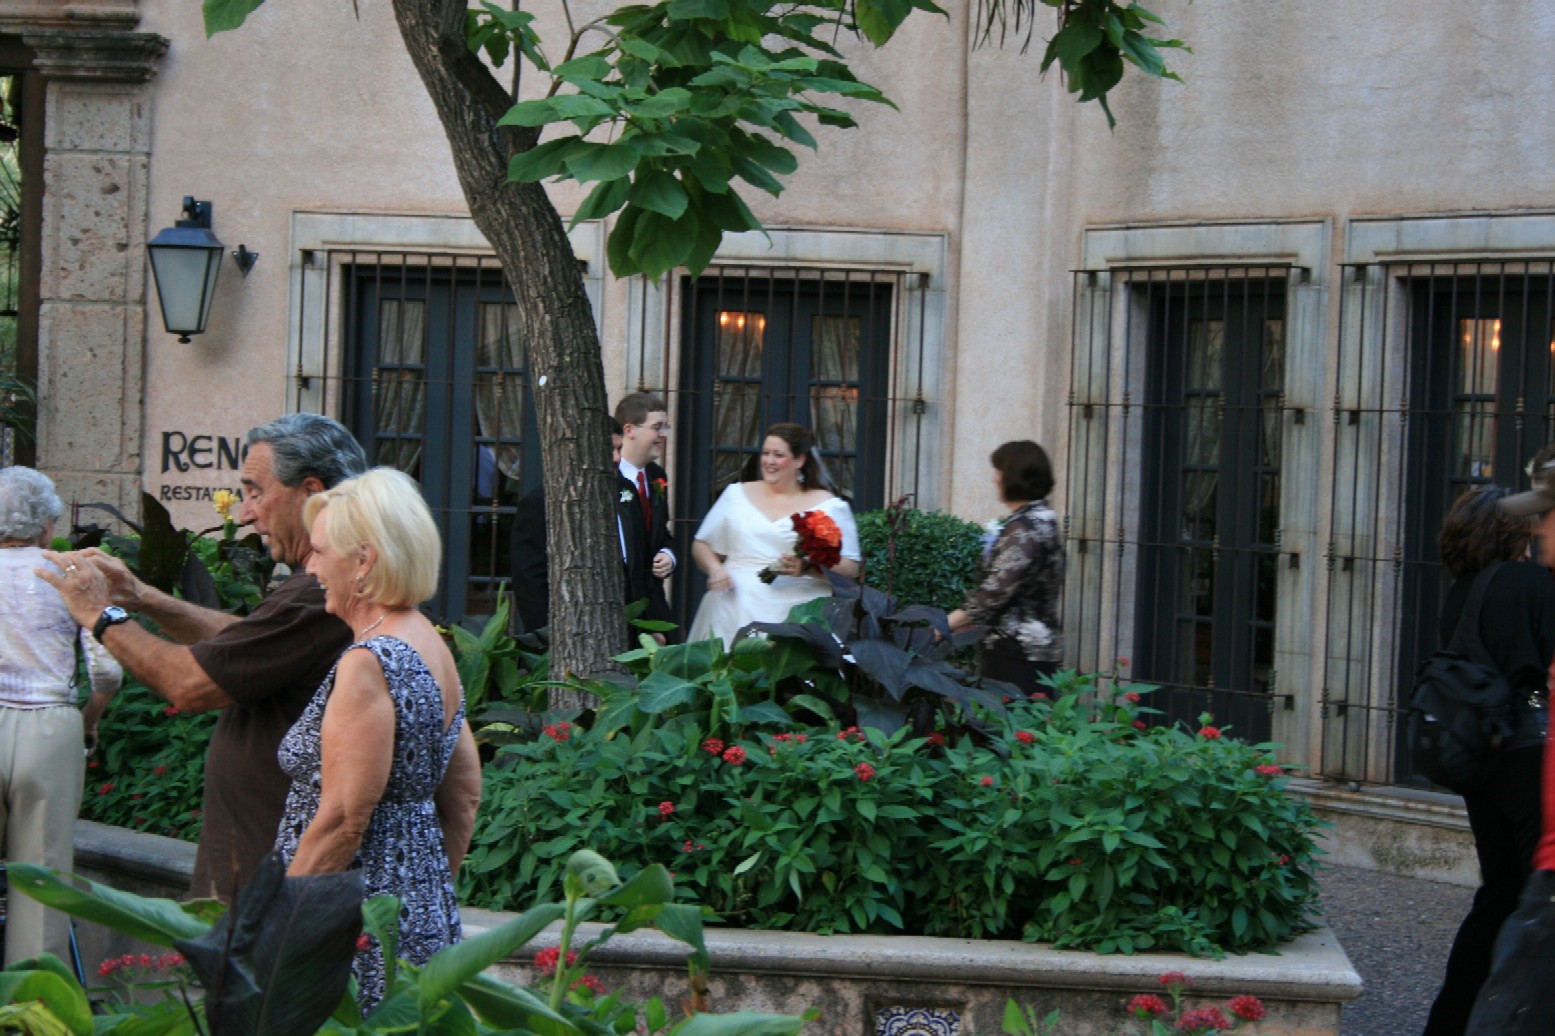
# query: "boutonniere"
660,487
626,496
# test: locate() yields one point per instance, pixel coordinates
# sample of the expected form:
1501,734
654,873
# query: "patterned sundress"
402,853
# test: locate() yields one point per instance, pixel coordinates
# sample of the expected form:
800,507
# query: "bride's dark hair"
801,443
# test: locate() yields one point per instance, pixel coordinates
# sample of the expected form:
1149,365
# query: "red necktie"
642,496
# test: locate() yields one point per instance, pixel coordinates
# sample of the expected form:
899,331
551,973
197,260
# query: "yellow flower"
224,499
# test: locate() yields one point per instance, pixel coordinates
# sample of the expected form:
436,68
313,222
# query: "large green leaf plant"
276,965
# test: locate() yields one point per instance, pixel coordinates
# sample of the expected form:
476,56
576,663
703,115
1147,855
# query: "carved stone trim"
124,57
27,15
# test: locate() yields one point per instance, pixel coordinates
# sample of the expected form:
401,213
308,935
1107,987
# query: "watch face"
114,614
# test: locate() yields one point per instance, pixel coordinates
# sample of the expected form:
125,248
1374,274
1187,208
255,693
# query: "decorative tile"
917,1021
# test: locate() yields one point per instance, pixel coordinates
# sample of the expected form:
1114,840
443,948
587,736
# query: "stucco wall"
309,108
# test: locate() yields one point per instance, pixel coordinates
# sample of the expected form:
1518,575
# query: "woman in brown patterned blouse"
1021,580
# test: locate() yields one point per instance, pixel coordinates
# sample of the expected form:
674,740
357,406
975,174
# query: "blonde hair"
383,507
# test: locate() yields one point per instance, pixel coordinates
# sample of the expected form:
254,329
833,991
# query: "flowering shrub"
1084,832
1162,1018
149,768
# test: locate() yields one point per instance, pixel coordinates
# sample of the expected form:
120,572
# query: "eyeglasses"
659,428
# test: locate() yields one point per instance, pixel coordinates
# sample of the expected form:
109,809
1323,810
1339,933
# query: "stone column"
91,333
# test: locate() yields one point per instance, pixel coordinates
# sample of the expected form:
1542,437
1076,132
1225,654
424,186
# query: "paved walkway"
1397,932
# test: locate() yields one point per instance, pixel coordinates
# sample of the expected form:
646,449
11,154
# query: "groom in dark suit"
643,504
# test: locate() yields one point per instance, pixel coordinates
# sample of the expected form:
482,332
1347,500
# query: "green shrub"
148,773
1071,826
921,557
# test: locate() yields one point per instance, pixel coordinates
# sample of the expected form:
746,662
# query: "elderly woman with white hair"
41,726
385,773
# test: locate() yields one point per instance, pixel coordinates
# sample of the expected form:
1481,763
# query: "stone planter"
862,985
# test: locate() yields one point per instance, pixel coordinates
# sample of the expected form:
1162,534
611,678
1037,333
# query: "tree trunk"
523,226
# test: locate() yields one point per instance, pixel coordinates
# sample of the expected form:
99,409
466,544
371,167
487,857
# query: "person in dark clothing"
1517,626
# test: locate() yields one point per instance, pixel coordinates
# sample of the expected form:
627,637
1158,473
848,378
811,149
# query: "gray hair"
28,504
310,445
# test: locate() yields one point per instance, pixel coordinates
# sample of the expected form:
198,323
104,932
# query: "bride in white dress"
748,529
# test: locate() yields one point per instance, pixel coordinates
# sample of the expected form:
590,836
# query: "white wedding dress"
749,541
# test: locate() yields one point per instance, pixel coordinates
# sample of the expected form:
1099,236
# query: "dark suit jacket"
644,539
531,573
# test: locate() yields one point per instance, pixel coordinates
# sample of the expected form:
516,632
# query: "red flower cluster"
1268,770
1025,737
1075,861
159,771
144,961
783,739
589,982
936,739
734,755
1209,733
1131,698
1279,858
986,782
560,731
1140,724
660,486
363,941
689,846
820,541
1174,978
170,710
864,771
850,734
105,789
1201,1020
1248,1008
545,960
713,746
1147,1005
1038,696
666,808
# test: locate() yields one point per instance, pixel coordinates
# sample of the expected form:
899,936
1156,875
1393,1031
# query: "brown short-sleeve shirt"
269,664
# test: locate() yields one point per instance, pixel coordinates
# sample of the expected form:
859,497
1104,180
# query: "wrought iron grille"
1174,494
1445,380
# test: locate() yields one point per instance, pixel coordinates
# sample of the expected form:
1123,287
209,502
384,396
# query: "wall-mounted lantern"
185,259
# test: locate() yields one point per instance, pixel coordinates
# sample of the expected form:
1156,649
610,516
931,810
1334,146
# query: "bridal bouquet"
819,542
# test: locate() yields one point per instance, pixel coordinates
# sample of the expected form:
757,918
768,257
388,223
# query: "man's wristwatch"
111,616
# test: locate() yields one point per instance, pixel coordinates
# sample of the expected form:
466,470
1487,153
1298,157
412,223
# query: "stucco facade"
1306,137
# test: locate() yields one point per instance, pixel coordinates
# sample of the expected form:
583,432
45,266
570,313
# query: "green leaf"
455,965
590,161
658,191
65,1000
652,884
222,15
542,160
742,1023
602,201
509,1007
157,921
664,104
661,691
1072,43
661,244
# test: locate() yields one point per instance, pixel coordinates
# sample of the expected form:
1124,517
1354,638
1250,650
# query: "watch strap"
111,616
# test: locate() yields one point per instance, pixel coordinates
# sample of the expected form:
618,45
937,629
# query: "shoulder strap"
1466,638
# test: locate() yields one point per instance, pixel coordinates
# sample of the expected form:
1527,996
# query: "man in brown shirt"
260,670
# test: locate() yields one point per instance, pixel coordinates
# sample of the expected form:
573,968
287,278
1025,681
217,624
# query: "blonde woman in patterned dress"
385,773
1021,581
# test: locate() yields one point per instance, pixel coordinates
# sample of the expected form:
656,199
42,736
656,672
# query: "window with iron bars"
430,373
1174,485
1446,381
